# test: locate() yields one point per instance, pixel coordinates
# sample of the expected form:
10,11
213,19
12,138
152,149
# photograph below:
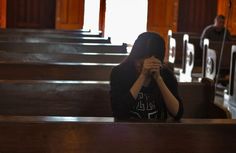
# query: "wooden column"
162,16
224,8
69,14
102,14
38,14
3,13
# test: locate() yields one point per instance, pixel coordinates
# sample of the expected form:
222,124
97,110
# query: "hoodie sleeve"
171,83
121,98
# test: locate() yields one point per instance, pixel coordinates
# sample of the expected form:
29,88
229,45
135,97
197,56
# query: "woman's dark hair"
146,45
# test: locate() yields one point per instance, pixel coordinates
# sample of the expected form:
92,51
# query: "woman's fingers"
151,65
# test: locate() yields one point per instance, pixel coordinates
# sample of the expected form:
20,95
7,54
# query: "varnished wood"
16,57
3,10
203,106
83,98
31,14
162,16
70,48
226,54
60,98
224,8
102,15
195,15
49,33
69,14
195,40
55,71
41,135
31,38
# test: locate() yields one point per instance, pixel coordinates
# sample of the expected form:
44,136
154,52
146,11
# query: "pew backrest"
69,48
194,39
225,59
56,135
33,39
90,98
51,33
55,98
56,71
17,57
198,100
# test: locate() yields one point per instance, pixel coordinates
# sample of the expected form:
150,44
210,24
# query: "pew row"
213,61
184,61
16,57
70,48
179,47
91,98
60,135
56,71
14,30
30,39
51,32
230,96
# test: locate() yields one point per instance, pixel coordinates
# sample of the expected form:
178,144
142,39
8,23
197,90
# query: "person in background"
215,32
142,87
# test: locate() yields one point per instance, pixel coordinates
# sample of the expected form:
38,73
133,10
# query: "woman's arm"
171,101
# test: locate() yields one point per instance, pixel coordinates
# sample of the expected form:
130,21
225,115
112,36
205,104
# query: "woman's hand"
151,66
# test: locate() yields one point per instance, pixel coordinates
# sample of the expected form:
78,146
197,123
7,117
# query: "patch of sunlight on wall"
91,14
125,20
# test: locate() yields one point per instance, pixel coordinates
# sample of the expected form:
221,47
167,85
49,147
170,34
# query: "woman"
141,86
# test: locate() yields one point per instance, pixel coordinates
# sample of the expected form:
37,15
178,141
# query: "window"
125,19
91,14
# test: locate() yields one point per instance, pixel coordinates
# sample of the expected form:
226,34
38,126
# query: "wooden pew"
177,47
233,38
14,30
225,63
194,39
57,66
230,97
32,38
70,48
16,57
91,98
188,61
83,135
53,34
215,48
60,98
198,100
55,71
